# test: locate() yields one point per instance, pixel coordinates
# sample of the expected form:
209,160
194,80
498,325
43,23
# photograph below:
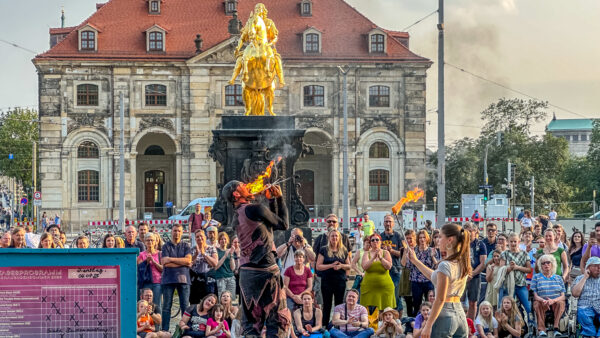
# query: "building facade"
577,132
171,61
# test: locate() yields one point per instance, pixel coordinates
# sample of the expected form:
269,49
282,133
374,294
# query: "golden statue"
259,63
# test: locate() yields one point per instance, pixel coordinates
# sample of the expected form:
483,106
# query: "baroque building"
172,59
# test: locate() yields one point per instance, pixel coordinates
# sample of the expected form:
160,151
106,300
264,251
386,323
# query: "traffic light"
486,194
509,193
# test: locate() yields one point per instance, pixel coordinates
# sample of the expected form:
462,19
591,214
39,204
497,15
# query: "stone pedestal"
245,145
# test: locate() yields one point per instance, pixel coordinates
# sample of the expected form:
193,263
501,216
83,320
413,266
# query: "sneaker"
557,333
543,334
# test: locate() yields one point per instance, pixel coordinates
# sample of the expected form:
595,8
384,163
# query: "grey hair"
545,258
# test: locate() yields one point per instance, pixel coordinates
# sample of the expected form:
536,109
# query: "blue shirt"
137,244
181,274
477,249
547,287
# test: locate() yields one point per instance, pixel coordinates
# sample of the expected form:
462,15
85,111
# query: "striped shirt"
547,287
590,295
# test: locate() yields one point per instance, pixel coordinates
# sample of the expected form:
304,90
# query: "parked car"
184,215
596,216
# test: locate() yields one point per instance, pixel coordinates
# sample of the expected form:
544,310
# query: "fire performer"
260,280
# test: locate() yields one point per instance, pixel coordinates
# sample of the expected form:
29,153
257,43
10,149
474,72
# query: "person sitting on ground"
548,293
389,324
46,241
108,242
297,279
350,319
422,320
216,326
230,311
195,318
587,288
5,240
154,311
82,242
485,323
17,238
308,318
509,318
145,324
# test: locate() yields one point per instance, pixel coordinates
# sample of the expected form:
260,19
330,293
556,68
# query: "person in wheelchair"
587,288
548,294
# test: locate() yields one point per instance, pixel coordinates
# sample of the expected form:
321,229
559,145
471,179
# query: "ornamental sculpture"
259,63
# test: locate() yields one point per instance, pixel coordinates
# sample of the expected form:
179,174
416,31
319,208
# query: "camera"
299,238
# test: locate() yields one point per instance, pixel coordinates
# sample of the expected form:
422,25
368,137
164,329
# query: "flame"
258,185
411,196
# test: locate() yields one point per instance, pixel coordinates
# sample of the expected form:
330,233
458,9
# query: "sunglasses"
331,221
375,240
546,262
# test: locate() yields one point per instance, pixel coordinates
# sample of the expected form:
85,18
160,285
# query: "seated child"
216,325
486,326
389,325
145,323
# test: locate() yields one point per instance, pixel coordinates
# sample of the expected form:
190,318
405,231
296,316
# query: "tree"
18,130
512,115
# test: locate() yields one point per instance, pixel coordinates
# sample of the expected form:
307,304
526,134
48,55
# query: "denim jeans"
396,280
585,317
156,295
168,290
420,290
226,284
335,333
451,322
521,293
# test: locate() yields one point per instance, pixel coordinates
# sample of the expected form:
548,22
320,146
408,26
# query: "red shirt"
297,283
195,222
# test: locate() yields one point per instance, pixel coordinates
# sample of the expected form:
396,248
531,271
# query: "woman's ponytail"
462,249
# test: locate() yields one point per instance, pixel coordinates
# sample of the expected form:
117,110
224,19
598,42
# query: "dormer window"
311,41
377,41
230,6
154,7
88,38
155,39
155,42
306,8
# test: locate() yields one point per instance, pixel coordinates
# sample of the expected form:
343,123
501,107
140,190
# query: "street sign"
37,203
37,195
486,186
24,201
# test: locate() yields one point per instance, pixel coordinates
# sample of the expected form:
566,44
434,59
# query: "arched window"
87,95
377,43
156,95
379,96
154,150
314,96
379,185
312,43
379,150
233,95
88,149
88,187
155,41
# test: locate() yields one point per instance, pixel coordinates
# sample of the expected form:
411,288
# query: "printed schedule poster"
60,301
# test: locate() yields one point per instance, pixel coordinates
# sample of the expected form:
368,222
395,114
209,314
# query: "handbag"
357,281
404,283
144,274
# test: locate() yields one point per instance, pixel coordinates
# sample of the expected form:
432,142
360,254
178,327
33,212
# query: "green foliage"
18,131
558,177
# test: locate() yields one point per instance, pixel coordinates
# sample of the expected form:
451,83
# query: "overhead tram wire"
513,90
418,21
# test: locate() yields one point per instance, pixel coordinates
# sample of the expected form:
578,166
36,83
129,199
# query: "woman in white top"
449,280
526,221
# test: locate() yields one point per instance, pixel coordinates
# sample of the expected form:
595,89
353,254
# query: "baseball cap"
211,228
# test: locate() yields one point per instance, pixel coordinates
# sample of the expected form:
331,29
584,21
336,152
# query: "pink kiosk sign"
60,301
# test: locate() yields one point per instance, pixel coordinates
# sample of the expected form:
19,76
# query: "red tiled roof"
63,30
122,24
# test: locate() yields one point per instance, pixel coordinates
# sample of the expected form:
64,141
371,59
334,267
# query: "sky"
547,49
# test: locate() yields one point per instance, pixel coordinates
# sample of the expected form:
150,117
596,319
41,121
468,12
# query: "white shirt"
552,215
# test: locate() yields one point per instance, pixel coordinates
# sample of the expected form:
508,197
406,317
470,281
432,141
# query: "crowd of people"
427,283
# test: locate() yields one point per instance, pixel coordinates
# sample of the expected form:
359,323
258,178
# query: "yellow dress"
377,287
